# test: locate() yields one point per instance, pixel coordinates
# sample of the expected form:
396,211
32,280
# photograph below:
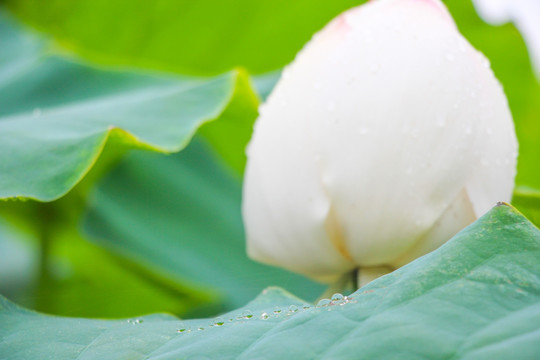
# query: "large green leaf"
181,214
202,37
78,278
476,297
56,114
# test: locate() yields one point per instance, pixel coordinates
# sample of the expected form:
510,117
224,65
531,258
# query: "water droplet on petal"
264,316
218,322
306,307
337,297
200,328
277,310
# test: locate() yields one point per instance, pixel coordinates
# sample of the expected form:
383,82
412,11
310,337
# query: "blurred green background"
144,231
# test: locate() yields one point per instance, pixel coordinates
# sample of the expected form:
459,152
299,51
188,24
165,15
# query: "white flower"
524,13
387,135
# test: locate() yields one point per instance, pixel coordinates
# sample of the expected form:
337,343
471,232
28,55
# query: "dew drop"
306,307
293,309
219,322
264,316
247,314
200,329
183,329
323,302
277,310
337,297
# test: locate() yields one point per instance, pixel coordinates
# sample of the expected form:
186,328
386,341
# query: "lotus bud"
386,136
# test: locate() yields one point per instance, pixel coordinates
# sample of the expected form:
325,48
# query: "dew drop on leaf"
323,302
293,309
247,314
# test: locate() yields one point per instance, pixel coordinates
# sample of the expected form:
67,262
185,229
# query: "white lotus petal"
371,140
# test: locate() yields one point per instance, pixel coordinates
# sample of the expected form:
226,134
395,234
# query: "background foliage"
119,232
